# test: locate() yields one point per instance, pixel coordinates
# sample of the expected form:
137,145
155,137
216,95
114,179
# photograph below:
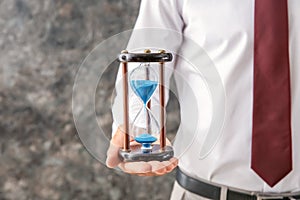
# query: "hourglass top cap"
147,56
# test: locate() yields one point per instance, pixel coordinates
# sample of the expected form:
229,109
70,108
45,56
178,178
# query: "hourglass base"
138,154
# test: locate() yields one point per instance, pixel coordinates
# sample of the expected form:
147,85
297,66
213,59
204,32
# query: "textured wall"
42,43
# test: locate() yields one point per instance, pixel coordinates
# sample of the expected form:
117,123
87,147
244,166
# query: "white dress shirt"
225,31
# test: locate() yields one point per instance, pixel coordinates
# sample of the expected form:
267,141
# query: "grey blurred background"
42,43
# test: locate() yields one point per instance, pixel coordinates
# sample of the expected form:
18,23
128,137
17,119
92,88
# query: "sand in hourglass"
143,88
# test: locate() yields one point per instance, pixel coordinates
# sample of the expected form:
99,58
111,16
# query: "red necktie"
271,136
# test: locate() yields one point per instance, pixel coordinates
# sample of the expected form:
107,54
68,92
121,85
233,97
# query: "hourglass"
145,129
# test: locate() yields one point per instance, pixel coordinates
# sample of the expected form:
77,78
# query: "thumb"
116,143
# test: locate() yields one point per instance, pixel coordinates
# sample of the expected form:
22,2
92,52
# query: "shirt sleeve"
164,14
153,14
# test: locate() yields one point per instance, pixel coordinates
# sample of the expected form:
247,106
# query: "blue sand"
143,88
146,139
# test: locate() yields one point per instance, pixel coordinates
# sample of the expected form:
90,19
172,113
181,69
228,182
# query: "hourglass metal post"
125,104
143,81
162,104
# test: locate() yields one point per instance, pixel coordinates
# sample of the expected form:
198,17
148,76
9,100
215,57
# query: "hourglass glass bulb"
143,81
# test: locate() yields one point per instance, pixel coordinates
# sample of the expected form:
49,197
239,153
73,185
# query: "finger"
116,142
158,168
161,168
147,174
164,167
174,161
171,164
136,167
112,159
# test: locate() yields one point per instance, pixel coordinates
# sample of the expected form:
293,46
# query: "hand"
151,168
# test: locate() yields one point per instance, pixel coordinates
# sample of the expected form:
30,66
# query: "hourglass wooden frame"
162,151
